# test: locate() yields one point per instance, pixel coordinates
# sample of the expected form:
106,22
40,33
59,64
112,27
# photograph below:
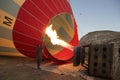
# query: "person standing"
39,55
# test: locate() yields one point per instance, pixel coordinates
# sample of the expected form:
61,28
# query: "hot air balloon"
23,24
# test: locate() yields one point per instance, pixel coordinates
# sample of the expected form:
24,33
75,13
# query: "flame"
52,34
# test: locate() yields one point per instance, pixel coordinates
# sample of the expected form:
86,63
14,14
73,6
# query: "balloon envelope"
26,21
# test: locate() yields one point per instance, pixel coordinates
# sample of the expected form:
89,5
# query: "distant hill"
101,37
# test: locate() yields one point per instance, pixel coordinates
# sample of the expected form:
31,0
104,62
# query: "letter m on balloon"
8,21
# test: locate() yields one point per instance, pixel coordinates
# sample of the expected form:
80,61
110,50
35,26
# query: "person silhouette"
38,55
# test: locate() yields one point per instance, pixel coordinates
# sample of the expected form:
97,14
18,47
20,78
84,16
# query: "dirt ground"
15,68
24,68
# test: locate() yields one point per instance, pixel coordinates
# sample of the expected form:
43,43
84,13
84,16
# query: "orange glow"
55,40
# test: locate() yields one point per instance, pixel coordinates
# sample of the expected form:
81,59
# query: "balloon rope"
61,4
24,43
38,8
33,16
29,25
26,35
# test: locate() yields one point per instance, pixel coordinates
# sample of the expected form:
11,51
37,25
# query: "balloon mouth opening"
58,35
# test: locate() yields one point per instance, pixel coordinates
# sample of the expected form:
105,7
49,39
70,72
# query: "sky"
95,15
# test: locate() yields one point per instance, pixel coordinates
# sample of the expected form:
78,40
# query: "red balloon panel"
32,19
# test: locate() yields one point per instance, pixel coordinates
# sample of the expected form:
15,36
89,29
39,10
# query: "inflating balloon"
23,24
